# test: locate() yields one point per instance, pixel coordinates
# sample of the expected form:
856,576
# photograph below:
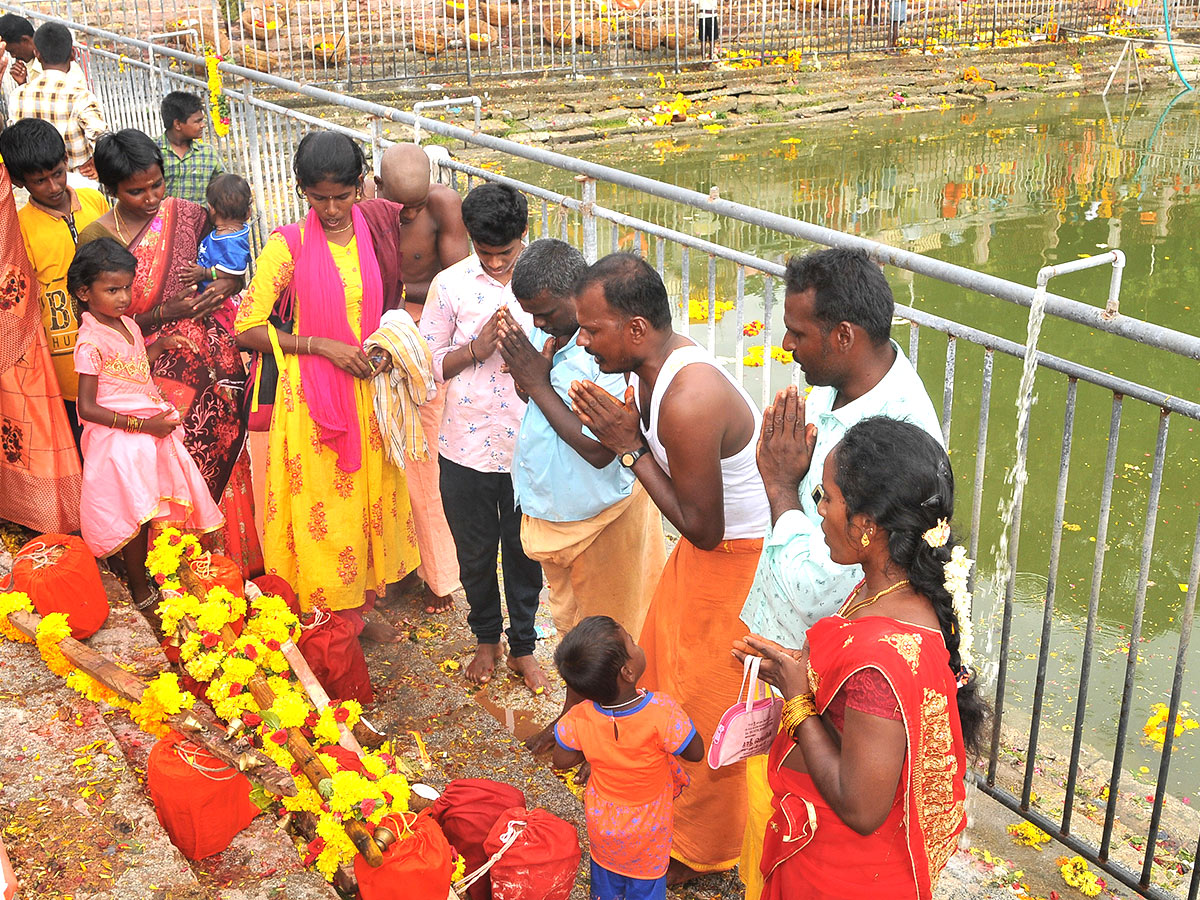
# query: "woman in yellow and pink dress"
135,467
338,524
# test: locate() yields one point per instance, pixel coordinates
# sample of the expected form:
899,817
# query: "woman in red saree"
164,234
40,477
868,769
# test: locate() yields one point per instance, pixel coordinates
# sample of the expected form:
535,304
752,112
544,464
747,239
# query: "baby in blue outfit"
226,249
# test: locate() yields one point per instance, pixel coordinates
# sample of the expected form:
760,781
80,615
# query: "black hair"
328,156
631,287
14,27
179,106
123,154
495,214
849,287
899,476
546,265
230,196
30,146
54,43
95,258
589,659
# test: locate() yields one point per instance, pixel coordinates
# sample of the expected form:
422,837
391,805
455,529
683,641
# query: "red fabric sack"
200,801
467,810
212,571
543,861
331,647
417,867
59,574
329,643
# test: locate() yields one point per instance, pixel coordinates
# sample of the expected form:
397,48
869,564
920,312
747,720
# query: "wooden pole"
302,752
198,724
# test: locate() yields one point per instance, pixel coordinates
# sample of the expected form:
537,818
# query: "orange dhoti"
689,631
439,559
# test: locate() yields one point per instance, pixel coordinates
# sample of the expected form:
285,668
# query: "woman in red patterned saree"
868,769
164,234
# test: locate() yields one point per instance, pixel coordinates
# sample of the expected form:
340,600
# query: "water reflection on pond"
1004,189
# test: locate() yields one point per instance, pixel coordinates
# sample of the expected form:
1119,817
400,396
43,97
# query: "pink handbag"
749,726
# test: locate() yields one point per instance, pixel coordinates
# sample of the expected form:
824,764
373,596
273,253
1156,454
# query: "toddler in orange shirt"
633,740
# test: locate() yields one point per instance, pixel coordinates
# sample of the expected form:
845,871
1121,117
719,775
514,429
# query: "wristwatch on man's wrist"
631,456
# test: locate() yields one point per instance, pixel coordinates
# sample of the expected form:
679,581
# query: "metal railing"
972,366
337,41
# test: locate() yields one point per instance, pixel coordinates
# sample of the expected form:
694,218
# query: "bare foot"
433,603
380,631
679,873
543,741
527,668
483,663
397,590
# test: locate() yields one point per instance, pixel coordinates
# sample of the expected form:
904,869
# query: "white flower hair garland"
957,571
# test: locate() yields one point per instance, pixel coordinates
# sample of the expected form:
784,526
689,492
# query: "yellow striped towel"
408,385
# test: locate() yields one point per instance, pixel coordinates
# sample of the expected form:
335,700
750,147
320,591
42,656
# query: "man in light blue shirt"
586,518
838,313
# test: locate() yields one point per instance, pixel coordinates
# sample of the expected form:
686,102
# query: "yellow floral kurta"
331,534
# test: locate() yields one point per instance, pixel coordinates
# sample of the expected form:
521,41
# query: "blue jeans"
608,885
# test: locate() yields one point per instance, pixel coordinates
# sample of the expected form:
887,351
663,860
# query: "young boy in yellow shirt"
36,158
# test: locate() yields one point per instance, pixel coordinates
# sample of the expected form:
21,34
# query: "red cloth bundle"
417,867
213,571
329,643
467,810
200,801
542,862
59,574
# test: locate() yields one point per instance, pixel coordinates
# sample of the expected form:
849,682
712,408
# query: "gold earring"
865,540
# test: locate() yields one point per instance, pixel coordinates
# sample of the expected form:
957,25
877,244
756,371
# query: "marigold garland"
218,103
380,790
1076,873
50,632
11,602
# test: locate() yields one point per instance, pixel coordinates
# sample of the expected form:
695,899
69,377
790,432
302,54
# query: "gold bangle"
308,346
114,424
796,710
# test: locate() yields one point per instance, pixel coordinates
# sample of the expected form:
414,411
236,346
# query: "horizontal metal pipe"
1021,294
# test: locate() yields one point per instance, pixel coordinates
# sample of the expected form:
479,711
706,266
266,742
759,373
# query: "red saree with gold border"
40,474
905,855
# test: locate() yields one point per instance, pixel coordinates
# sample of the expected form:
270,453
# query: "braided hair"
899,476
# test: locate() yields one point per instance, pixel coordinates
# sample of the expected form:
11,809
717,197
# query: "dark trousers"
482,517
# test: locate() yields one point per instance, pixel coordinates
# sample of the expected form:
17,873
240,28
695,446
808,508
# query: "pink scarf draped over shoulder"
320,294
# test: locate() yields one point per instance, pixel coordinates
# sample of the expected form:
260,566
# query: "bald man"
432,234
432,237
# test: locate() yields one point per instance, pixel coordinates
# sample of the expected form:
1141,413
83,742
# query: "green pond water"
1004,189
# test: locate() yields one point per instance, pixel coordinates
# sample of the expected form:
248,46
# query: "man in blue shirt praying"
586,518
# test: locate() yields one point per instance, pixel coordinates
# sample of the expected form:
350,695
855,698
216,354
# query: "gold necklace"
341,230
120,228
851,607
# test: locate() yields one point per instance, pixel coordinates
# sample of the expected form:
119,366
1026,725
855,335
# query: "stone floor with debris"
79,825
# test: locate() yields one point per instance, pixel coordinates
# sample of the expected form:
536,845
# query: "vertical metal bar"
685,290
1060,504
948,389
739,345
1089,635
588,215
256,169
545,218
768,308
712,304
1014,542
1164,765
985,408
914,340
1135,632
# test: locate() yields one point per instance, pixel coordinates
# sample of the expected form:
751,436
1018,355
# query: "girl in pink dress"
135,467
